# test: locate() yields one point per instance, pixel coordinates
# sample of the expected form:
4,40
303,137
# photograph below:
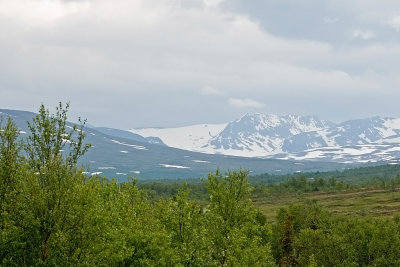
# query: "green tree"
287,256
10,159
384,247
328,249
184,220
55,212
10,172
234,232
135,228
50,143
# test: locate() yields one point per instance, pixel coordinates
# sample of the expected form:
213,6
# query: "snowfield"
192,138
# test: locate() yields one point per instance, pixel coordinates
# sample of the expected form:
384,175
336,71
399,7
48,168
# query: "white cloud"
245,103
330,20
40,11
212,3
363,34
395,22
209,90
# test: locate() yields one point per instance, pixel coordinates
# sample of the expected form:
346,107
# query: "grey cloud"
308,18
166,63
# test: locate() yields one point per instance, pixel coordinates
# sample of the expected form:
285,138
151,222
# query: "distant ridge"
292,137
116,153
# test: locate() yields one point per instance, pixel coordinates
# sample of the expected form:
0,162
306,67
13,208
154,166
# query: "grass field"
365,202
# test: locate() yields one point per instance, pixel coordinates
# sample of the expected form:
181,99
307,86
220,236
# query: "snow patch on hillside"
174,166
200,161
106,168
192,138
125,144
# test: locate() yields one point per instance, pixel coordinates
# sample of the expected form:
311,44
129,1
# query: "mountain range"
294,137
120,154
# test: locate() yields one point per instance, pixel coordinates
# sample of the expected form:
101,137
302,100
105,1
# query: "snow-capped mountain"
252,135
259,134
349,133
290,136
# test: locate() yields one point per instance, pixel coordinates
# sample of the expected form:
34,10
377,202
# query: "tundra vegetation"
51,214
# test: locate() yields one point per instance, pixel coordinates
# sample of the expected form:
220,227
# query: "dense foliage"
305,235
53,215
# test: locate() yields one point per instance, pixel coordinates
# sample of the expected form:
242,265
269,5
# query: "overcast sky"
141,63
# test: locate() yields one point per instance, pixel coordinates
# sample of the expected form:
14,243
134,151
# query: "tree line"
384,177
